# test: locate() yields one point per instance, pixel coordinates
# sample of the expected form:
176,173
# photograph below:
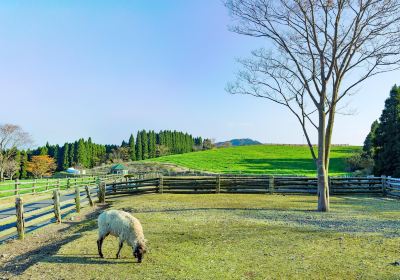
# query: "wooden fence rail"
256,184
17,188
81,196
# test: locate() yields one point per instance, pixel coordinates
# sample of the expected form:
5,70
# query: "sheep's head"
139,251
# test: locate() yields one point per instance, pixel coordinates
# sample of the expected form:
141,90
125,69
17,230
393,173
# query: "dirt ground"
17,256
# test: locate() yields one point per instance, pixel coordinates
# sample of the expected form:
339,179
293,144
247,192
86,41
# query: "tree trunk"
323,187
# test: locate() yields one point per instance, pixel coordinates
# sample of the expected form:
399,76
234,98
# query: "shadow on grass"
19,264
64,259
303,218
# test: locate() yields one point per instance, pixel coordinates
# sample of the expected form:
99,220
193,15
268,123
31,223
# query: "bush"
360,163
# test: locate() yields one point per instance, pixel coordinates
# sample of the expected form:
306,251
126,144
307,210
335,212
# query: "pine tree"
71,152
152,144
387,139
43,150
145,145
24,162
132,150
18,160
81,153
139,154
65,157
368,147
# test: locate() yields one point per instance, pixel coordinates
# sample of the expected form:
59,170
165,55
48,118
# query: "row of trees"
149,144
16,161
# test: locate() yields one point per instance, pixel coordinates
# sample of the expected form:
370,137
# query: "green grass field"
232,237
261,159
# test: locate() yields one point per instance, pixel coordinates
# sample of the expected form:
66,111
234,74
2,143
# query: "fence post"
77,200
47,184
114,187
218,184
68,183
271,184
19,207
161,185
34,186
16,192
384,179
57,210
88,196
75,182
102,192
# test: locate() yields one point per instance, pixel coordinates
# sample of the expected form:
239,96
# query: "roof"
119,167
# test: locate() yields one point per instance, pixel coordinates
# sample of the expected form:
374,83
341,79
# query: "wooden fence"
75,197
24,187
256,184
262,184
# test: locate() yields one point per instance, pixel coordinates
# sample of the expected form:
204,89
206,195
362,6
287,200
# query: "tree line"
87,154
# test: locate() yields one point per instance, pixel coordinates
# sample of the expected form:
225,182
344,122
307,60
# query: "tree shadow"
93,259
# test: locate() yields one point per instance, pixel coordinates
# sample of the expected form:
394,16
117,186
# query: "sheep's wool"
120,224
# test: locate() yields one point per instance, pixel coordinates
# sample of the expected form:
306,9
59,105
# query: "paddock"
224,236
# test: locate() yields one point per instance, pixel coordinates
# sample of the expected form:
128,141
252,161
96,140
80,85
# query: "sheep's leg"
100,244
121,243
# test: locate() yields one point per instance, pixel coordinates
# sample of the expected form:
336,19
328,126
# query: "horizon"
106,70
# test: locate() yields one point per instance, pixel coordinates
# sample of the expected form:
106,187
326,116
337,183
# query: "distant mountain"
238,142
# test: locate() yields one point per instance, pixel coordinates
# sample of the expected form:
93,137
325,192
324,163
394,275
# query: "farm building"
119,169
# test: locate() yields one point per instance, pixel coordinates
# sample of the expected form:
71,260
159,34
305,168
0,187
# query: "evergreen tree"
81,153
43,150
387,139
71,153
24,162
145,145
139,153
65,157
132,150
368,147
152,144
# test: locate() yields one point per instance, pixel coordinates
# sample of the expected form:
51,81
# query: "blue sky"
71,69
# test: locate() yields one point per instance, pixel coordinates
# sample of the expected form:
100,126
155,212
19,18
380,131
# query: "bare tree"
319,51
12,138
10,168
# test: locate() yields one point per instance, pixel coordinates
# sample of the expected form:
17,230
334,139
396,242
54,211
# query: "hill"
261,159
238,142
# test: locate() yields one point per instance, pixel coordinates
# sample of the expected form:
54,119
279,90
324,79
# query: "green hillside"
261,159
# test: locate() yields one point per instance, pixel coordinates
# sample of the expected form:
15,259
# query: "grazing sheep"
124,226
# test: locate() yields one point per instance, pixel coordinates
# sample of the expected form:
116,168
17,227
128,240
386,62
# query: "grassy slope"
240,237
265,159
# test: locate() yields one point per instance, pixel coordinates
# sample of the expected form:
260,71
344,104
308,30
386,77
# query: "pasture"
223,236
261,159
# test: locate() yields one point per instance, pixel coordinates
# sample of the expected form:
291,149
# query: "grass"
261,159
239,237
40,185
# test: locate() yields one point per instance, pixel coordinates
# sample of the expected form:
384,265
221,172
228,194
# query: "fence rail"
81,192
18,188
257,184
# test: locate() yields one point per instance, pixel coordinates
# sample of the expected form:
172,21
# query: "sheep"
124,226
